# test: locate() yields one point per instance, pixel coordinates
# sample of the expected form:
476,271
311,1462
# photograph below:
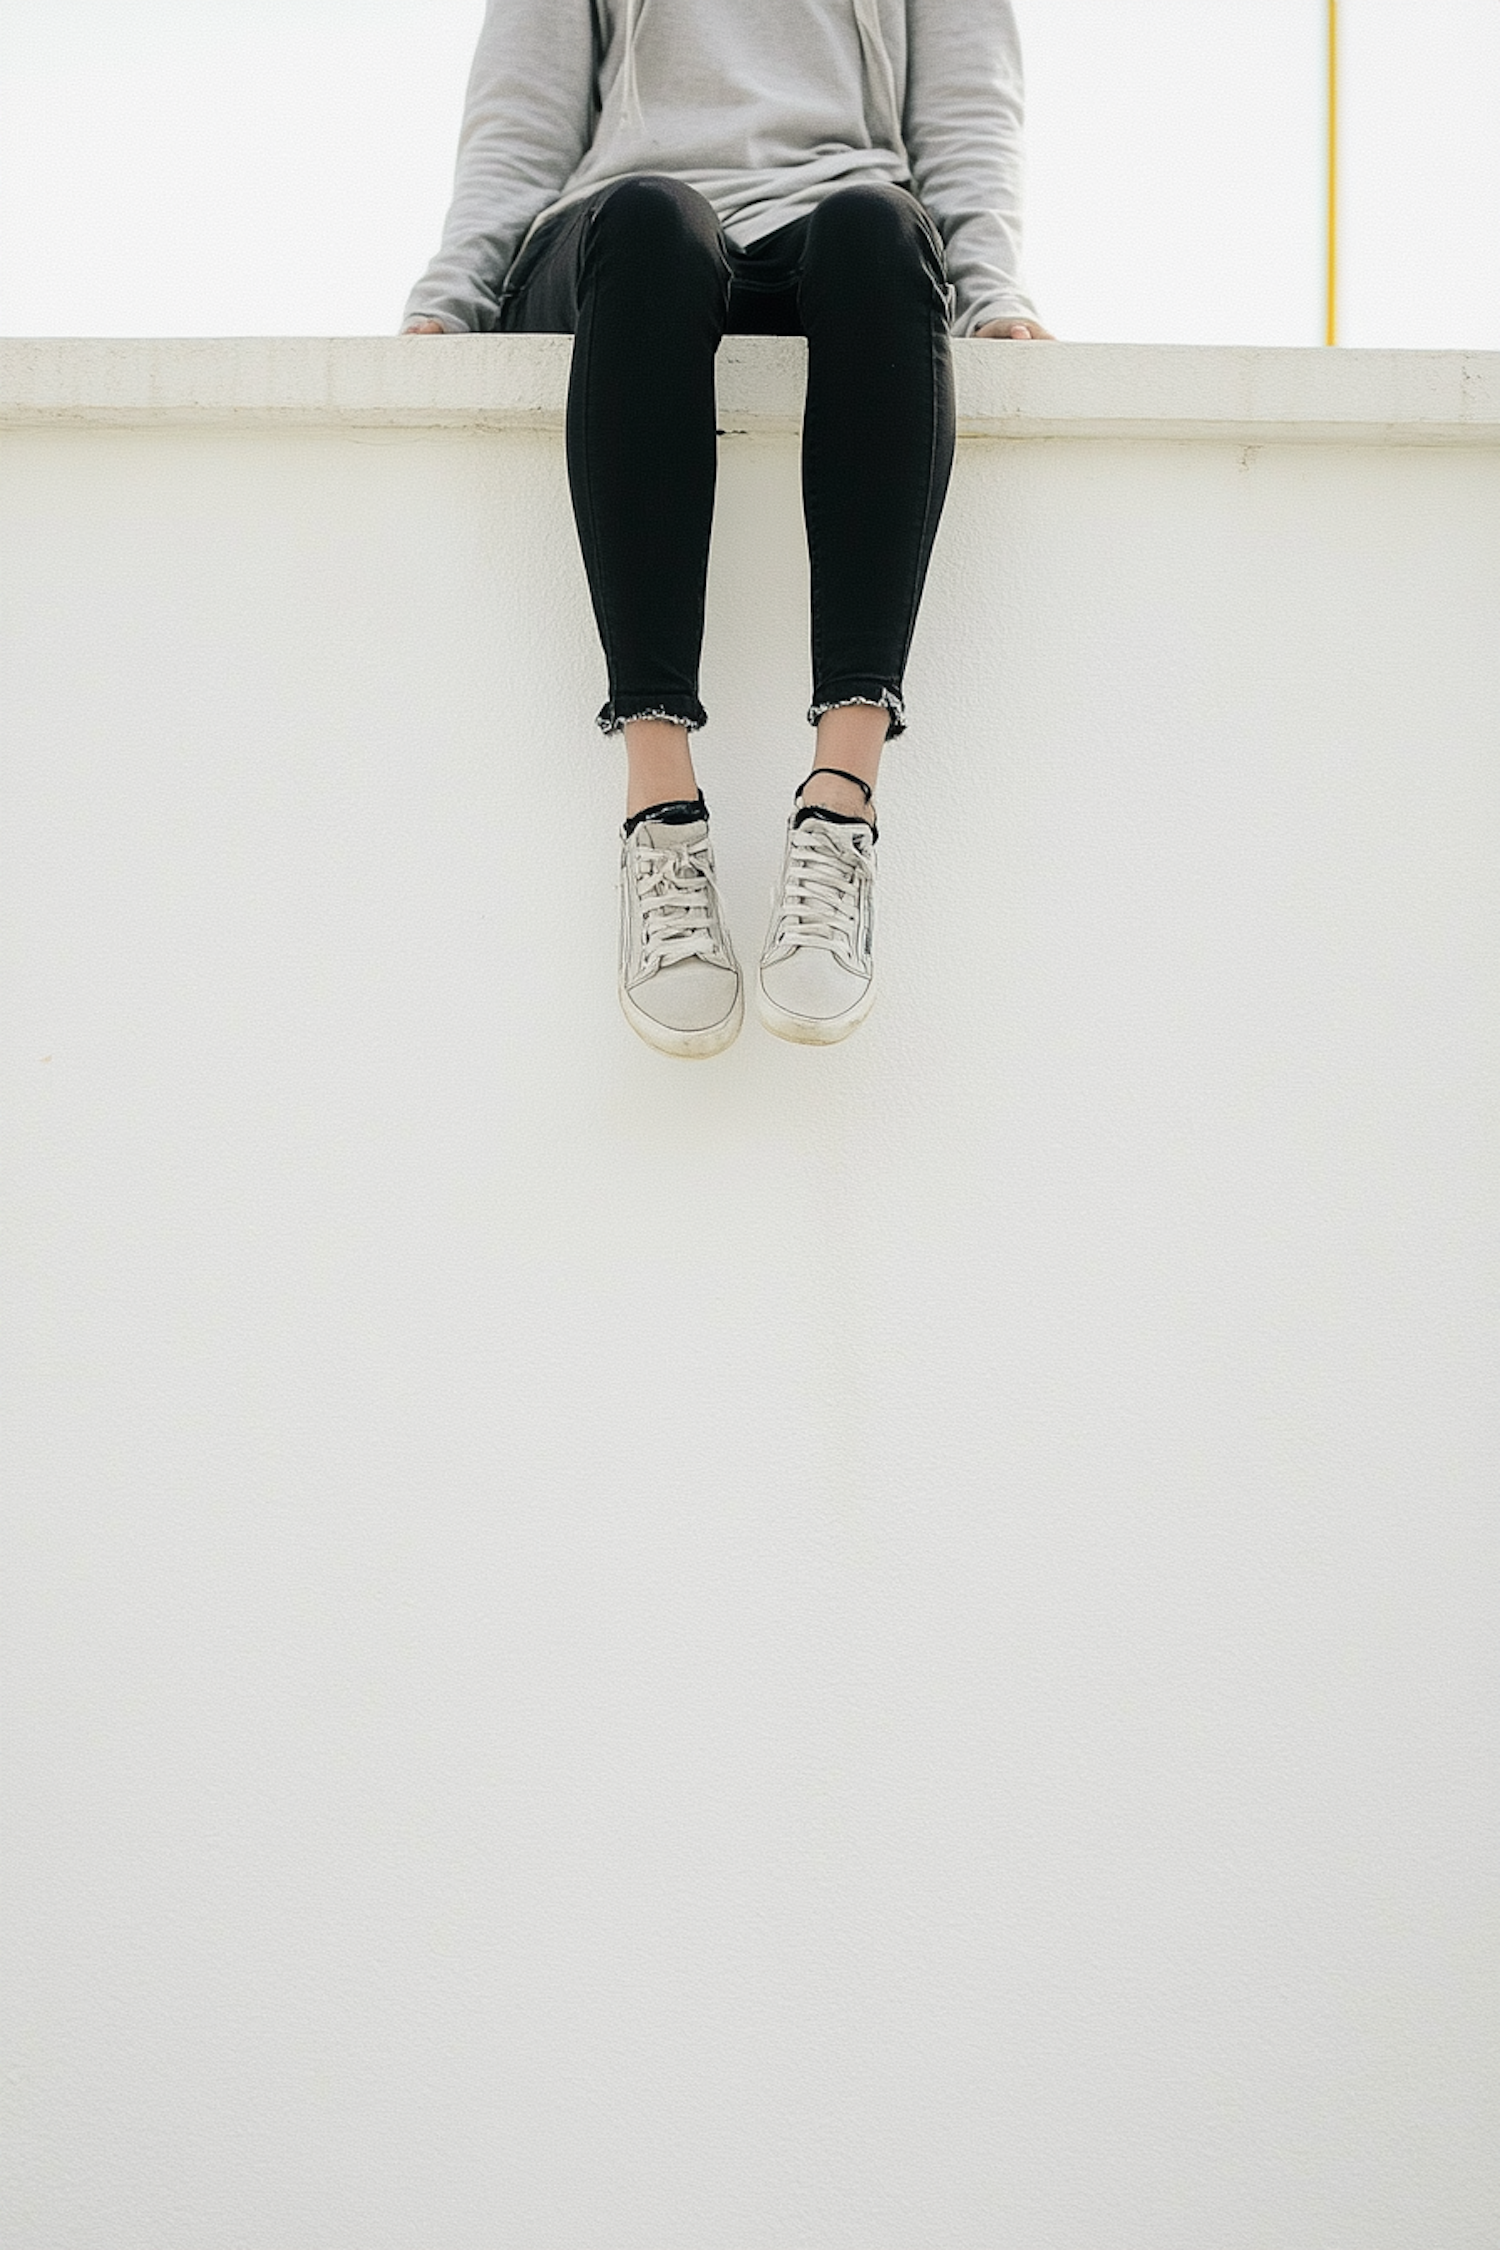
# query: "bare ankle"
659,764
850,739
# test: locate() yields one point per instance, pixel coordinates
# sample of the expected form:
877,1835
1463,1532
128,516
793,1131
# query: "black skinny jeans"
645,277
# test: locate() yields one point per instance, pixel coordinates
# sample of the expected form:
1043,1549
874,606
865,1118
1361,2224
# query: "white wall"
858,1650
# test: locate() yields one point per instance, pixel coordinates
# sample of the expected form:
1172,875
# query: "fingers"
1016,331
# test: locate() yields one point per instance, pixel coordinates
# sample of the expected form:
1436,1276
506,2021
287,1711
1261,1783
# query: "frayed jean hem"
614,719
882,699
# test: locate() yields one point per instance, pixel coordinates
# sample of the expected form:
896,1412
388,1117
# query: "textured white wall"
858,1650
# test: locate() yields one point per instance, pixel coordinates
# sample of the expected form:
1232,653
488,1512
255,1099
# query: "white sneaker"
679,980
817,974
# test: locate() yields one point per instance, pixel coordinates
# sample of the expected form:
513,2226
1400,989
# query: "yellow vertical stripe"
1331,325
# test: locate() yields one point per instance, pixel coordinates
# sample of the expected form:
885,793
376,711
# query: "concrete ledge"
1241,395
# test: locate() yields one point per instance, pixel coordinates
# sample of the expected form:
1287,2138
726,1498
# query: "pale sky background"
250,167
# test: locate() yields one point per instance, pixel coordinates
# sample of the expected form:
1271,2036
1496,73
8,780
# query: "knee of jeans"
872,221
660,215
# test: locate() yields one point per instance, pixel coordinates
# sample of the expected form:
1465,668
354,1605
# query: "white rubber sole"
687,1046
812,1031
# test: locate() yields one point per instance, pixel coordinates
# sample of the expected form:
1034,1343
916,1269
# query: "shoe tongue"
672,835
818,816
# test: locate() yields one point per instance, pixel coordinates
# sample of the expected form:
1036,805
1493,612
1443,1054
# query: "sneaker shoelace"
820,895
675,889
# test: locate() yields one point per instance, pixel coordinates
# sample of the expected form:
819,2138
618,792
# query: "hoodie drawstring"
879,71
630,88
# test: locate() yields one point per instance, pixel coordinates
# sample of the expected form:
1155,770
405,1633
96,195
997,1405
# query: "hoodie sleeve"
964,107
527,123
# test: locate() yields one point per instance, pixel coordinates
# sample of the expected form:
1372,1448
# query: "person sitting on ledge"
649,176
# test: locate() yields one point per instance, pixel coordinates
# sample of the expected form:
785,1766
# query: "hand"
424,328
1017,331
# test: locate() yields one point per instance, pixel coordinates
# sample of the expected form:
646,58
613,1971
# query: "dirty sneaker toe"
680,985
817,974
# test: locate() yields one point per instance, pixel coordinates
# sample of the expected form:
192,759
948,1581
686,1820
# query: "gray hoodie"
764,106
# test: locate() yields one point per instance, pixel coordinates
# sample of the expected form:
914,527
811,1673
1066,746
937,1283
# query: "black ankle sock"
677,812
